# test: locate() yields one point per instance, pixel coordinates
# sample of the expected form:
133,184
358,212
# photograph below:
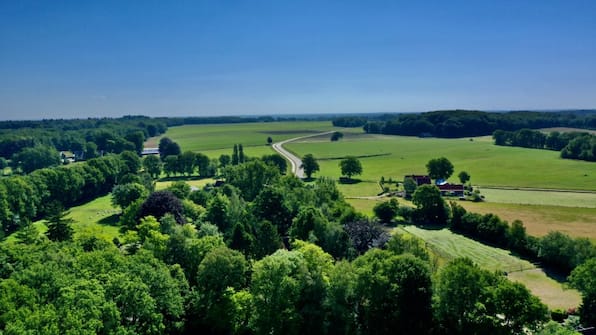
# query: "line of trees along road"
263,254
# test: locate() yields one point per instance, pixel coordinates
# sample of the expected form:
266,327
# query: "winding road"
295,161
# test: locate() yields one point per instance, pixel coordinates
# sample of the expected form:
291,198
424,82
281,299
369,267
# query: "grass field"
488,164
448,246
97,218
224,136
547,198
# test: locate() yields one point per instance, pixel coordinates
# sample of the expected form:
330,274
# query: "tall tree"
167,147
350,166
59,227
152,165
241,157
464,177
310,165
430,205
439,168
584,279
235,158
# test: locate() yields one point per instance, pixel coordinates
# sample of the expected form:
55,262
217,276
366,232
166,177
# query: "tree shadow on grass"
111,220
349,181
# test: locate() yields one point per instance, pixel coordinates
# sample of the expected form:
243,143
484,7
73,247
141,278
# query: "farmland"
448,246
518,183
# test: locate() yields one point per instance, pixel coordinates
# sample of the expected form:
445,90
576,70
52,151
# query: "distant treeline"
464,123
89,137
573,145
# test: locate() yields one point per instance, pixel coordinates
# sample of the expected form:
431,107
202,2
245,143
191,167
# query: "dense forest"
573,145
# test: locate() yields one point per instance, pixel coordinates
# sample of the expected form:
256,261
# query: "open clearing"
96,218
448,246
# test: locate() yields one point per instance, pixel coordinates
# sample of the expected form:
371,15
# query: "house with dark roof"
451,189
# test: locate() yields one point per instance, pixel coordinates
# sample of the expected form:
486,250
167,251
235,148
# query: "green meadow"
203,138
95,218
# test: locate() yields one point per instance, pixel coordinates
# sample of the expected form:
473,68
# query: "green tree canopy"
439,168
350,166
310,165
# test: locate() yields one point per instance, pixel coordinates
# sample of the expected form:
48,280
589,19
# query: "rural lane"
295,161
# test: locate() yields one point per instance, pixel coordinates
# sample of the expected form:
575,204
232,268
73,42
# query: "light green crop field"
533,197
224,136
489,165
448,246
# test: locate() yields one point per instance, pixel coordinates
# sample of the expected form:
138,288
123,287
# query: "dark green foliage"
336,136
167,147
439,168
430,206
224,160
464,123
161,202
59,226
277,161
464,177
394,292
386,211
152,165
473,301
310,165
365,234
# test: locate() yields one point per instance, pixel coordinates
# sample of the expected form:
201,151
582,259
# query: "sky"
79,59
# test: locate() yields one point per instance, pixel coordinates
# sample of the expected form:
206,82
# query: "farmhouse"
451,189
419,179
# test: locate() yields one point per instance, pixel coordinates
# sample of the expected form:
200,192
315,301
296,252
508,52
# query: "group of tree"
25,141
27,198
464,123
572,145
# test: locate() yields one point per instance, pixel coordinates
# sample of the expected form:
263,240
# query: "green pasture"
199,183
449,246
224,136
489,165
96,218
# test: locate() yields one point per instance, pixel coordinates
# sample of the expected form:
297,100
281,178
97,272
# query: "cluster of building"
445,187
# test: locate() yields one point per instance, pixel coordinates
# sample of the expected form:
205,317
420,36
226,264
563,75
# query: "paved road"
296,162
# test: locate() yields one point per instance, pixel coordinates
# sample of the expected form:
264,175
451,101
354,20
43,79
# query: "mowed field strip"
448,246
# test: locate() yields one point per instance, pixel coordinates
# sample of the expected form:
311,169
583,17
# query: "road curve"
295,161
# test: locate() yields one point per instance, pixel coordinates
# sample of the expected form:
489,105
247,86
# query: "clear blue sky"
64,59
